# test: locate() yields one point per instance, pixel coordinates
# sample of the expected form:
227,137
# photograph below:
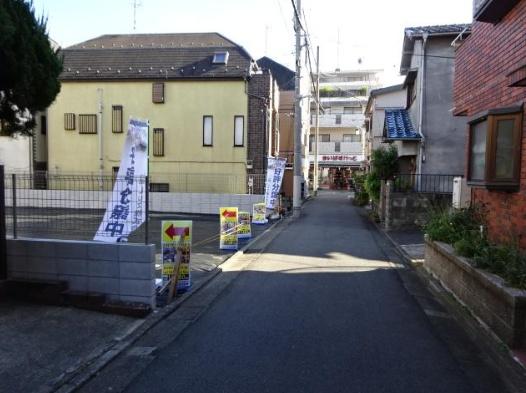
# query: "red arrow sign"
229,213
172,231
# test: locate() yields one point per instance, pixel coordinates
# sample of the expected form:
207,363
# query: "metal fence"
424,184
158,182
60,206
69,207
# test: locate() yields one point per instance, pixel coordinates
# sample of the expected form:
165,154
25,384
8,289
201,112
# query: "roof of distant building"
386,90
398,125
413,33
283,75
437,30
156,56
379,92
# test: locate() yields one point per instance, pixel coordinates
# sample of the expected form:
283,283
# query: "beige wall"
181,116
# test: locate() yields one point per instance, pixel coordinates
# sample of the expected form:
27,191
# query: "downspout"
422,153
99,128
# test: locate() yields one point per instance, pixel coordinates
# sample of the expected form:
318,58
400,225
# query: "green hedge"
463,229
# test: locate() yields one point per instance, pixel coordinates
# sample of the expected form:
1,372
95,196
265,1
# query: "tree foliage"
29,66
384,162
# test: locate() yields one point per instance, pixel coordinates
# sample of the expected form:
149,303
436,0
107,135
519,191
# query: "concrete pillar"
381,204
388,207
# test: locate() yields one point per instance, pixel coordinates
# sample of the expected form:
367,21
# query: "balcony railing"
339,147
343,120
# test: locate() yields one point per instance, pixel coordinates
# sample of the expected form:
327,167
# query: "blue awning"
398,125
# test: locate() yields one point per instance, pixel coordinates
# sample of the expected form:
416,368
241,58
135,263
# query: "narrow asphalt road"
321,310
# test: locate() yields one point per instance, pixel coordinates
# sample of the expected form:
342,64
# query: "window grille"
116,119
158,142
69,121
87,124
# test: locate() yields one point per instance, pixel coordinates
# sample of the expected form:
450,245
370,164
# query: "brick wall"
483,64
259,89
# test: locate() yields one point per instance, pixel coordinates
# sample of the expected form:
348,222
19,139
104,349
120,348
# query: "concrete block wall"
409,209
122,272
165,202
202,203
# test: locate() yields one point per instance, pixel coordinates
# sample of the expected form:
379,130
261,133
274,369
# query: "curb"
87,368
512,372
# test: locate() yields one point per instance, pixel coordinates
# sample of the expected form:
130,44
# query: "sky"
346,30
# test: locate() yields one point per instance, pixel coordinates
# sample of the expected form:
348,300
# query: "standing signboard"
176,247
258,213
228,219
244,230
126,210
275,170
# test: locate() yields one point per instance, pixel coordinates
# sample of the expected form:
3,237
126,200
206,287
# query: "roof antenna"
136,4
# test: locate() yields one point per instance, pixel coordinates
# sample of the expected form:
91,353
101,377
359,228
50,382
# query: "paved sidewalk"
409,242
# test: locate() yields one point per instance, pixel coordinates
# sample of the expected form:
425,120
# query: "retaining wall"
122,272
501,308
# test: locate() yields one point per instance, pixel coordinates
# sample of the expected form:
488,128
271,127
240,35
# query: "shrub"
384,162
372,186
361,198
462,230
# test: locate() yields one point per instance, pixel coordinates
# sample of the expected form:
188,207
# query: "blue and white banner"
275,170
126,209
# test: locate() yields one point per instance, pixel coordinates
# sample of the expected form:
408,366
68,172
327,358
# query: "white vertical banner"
275,170
126,209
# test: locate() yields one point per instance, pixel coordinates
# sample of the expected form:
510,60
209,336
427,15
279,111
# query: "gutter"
422,158
99,129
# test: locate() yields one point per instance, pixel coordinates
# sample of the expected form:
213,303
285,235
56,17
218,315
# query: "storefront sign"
126,209
339,159
258,213
244,229
275,170
228,219
176,244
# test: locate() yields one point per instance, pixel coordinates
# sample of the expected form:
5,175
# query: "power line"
282,15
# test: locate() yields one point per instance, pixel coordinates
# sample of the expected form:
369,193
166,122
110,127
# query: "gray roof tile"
167,56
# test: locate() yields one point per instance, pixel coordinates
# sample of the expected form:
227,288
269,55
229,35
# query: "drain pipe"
99,129
422,155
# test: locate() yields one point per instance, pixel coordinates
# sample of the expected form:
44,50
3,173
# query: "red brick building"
490,90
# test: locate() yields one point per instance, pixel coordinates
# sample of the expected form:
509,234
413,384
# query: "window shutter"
158,93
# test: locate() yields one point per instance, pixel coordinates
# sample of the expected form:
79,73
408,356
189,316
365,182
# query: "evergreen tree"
29,66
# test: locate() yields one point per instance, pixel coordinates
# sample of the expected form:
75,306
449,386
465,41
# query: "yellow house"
191,87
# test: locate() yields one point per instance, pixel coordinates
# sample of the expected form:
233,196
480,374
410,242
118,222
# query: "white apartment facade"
343,96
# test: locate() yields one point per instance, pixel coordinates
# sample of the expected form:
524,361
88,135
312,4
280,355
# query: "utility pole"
317,134
298,170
